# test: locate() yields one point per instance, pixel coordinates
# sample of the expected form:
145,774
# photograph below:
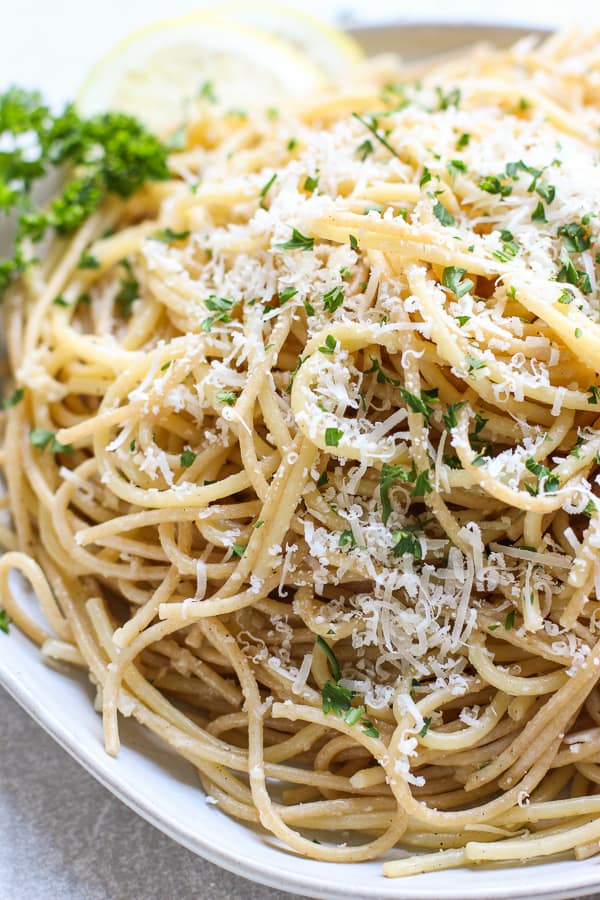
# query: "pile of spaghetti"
302,459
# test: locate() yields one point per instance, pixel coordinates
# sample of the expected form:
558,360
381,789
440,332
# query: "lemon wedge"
158,72
333,50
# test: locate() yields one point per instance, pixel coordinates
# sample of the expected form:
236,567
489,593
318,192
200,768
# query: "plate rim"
243,865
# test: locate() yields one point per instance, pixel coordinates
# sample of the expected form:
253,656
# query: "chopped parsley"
510,247
545,478
347,539
444,217
539,213
452,278
207,92
463,141
594,394
353,242
509,620
41,438
382,378
449,417
455,166
226,397
571,275
372,126
425,177
298,241
333,437
265,188
311,183
329,346
15,398
336,699
546,191
494,184
425,728
299,362
445,101
333,299
5,622
419,404
474,364
187,458
87,261
129,290
422,484
364,150
221,307
238,549
287,294
168,236
369,729
576,238
323,479
406,543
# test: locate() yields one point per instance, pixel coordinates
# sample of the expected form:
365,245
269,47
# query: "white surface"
63,837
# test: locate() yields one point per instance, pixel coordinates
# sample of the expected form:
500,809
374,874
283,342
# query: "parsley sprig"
104,154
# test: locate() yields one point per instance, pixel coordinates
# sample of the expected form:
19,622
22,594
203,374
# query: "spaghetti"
304,470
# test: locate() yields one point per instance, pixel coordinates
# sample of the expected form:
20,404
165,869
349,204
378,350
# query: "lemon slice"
333,50
157,73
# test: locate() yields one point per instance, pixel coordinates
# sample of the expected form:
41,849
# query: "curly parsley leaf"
298,241
452,278
104,154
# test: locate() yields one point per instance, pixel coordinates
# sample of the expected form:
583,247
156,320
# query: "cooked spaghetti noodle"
304,471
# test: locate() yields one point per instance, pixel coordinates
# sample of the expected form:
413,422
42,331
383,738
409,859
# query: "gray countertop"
65,837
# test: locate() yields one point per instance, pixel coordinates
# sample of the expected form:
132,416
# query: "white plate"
163,788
